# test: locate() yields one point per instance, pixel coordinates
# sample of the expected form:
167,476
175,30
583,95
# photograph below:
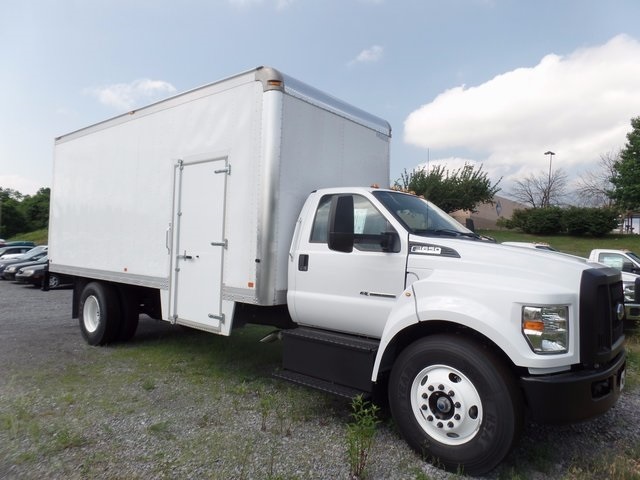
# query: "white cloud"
579,106
125,96
369,55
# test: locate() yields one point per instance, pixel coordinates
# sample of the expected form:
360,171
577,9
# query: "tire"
130,315
455,403
54,280
99,313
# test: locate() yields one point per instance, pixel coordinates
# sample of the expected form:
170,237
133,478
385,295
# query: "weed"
267,403
161,429
148,384
65,438
360,435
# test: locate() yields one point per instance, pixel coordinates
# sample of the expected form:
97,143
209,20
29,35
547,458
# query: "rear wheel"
54,280
456,403
99,313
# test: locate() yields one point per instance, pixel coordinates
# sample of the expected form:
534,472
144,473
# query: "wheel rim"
54,281
91,314
446,404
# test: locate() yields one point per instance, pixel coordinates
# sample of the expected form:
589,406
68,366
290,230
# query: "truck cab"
624,260
466,334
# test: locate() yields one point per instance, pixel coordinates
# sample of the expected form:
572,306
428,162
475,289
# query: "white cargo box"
198,195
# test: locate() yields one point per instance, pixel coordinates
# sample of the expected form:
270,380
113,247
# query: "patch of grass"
161,429
39,237
148,384
621,466
580,246
633,361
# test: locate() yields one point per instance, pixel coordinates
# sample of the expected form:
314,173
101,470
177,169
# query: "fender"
429,300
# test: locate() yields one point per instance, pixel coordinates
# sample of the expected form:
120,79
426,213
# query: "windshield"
421,217
634,257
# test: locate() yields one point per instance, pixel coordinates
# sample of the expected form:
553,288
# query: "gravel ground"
172,430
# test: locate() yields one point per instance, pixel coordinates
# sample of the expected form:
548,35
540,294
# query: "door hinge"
223,244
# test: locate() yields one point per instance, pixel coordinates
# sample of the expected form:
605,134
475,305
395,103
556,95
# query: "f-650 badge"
426,249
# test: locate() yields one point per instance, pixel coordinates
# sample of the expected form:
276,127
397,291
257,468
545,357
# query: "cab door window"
370,227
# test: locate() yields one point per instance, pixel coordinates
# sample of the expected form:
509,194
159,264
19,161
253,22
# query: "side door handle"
303,262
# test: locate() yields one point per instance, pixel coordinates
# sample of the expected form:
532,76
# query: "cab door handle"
303,262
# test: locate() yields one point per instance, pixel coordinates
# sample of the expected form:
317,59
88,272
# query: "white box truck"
253,200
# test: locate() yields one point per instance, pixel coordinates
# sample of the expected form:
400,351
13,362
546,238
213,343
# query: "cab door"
353,291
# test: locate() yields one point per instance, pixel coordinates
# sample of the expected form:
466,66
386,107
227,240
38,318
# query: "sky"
492,83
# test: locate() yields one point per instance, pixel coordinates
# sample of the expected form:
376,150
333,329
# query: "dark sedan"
36,253
9,272
34,274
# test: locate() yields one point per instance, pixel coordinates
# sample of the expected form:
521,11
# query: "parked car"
19,243
34,254
33,250
624,260
3,243
9,272
536,245
11,249
34,274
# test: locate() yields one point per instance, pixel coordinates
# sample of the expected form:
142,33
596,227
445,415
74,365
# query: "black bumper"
574,396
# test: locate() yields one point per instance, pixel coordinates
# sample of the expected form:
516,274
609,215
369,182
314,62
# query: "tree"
13,220
23,213
462,189
626,176
36,209
594,187
541,190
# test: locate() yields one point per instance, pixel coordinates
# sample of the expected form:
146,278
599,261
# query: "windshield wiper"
448,232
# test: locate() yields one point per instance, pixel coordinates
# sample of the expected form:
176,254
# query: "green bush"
595,222
539,221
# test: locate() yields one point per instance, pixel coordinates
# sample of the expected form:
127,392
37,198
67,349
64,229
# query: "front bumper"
574,396
632,311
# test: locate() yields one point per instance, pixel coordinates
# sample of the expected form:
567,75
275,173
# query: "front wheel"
456,403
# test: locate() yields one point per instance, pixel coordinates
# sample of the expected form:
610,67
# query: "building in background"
488,213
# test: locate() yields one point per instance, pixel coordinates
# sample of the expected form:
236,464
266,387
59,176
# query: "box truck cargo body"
256,199
197,195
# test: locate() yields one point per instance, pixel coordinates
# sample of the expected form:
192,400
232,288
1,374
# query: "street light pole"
551,154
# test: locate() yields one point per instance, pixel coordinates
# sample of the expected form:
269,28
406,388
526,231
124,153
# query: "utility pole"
548,189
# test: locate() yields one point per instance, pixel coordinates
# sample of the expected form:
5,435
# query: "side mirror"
341,235
628,267
390,242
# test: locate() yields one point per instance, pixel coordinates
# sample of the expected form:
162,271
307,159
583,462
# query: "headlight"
546,328
10,269
629,292
27,273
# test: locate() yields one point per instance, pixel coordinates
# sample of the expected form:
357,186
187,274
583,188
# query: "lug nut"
440,387
450,424
439,425
457,405
424,395
429,418
424,407
456,417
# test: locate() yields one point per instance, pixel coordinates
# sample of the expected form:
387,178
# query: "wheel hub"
446,404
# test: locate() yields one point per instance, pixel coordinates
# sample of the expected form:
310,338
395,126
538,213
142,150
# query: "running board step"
336,358
323,385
